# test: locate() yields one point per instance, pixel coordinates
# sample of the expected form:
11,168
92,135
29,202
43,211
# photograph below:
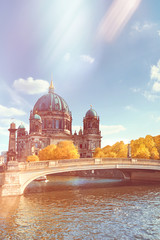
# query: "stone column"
11,154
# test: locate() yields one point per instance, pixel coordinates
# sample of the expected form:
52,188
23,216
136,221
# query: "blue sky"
102,53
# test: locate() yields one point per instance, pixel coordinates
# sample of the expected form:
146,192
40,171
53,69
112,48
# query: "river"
82,208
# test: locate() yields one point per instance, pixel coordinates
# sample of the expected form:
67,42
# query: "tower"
91,131
11,154
90,138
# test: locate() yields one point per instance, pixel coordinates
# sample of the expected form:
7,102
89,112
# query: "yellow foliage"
98,153
63,150
119,149
147,148
32,158
154,153
142,152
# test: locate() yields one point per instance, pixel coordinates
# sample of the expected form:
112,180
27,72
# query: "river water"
82,208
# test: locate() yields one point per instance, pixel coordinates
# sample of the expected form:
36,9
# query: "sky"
103,53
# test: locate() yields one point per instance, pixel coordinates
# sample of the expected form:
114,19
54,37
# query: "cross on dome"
51,88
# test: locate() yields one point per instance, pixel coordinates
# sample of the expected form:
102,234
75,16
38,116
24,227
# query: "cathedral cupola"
91,122
21,130
35,124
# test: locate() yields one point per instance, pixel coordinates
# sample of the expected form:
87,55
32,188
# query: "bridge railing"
85,161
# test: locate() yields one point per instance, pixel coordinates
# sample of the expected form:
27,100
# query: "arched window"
60,124
53,126
57,124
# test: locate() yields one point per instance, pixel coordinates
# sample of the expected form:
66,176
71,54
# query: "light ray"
116,18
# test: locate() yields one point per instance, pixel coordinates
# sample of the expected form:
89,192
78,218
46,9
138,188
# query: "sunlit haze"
102,53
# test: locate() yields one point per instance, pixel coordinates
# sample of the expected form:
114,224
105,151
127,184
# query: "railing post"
98,160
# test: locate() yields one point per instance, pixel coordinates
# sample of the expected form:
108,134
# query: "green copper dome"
51,102
21,126
36,116
91,113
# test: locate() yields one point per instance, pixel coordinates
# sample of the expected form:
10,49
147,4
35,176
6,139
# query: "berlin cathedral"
50,123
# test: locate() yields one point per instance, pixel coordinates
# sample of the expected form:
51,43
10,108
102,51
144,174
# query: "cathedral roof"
51,102
91,113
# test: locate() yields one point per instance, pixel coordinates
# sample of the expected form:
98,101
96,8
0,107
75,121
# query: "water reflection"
82,208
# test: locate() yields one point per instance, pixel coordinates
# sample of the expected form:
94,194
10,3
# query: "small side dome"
36,116
91,113
21,127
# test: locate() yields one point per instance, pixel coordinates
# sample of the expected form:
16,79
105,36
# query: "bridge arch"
17,179
54,171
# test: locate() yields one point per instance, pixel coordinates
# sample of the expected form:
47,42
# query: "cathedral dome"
51,102
36,116
91,113
21,126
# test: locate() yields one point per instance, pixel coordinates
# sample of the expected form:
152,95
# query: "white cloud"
155,71
107,130
130,108
31,86
155,118
8,121
150,96
135,90
87,58
138,27
4,131
156,87
67,57
158,32
10,112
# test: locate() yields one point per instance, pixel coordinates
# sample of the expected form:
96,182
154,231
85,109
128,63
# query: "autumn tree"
147,148
149,142
32,158
98,153
63,150
142,152
120,149
157,143
154,153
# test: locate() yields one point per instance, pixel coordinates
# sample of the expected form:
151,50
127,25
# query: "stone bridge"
18,175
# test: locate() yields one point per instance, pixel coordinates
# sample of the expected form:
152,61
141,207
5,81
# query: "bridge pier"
145,175
11,184
11,180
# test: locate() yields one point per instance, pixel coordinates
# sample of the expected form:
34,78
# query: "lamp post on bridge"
129,155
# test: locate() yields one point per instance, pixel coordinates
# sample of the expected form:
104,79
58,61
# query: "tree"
99,153
149,142
142,152
63,150
120,149
32,158
157,143
154,153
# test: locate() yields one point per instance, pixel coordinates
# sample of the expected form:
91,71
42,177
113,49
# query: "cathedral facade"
50,123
